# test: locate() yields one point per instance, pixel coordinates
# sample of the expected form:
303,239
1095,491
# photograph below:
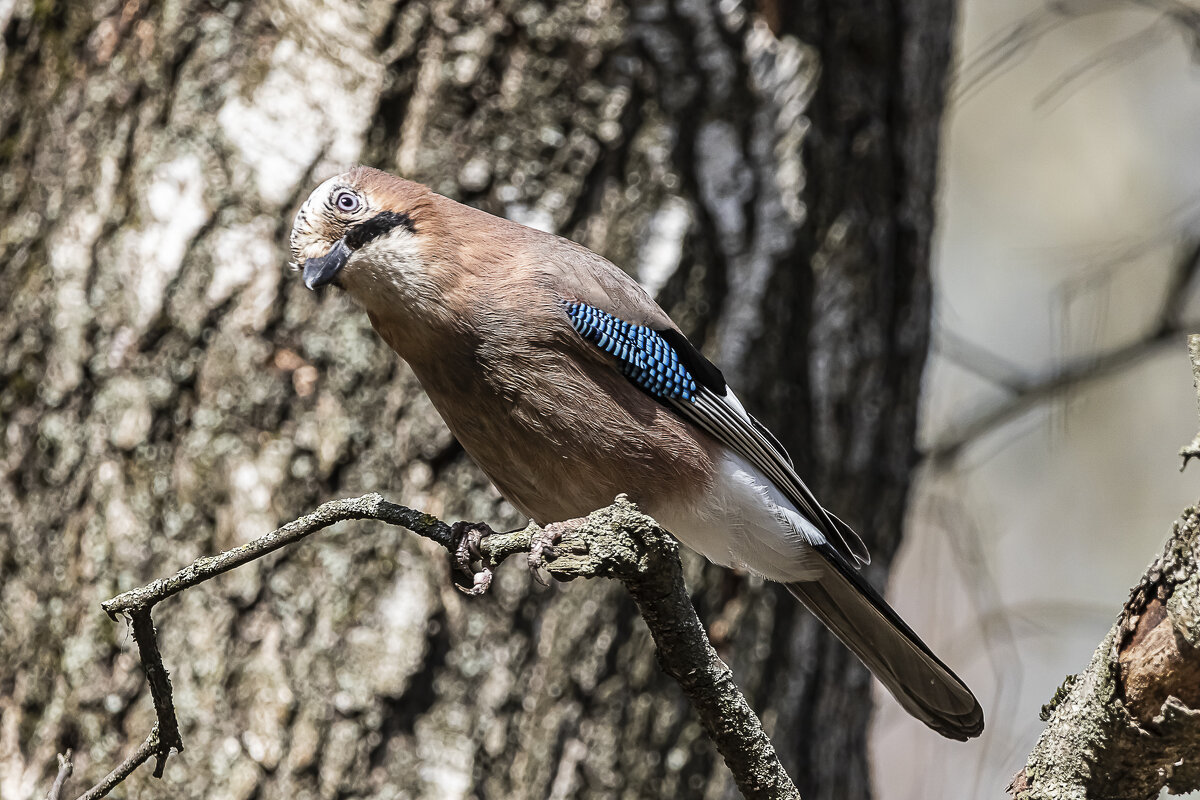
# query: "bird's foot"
549,544
544,547
470,575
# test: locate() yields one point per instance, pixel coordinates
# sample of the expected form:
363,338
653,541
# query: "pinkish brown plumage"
568,385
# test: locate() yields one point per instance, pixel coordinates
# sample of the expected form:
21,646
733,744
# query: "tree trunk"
169,389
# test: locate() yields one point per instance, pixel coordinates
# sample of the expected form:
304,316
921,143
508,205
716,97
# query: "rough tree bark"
167,389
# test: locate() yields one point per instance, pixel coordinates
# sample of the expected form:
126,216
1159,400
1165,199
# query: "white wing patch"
745,521
726,420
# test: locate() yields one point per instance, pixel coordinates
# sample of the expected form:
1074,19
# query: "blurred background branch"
1005,48
1027,392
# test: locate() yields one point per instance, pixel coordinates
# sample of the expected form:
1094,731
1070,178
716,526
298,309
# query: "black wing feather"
665,365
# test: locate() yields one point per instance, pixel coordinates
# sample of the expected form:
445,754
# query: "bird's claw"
472,576
544,547
467,558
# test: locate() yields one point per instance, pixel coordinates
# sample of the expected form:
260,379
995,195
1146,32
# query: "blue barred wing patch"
646,357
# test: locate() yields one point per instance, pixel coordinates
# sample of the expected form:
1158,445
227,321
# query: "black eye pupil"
347,202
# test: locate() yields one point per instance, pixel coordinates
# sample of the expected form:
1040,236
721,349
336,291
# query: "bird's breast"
561,435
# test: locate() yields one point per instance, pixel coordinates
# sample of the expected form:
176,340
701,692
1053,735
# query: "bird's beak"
320,271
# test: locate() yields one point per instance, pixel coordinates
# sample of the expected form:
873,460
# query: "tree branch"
370,506
64,771
1129,726
125,768
617,542
620,542
1192,449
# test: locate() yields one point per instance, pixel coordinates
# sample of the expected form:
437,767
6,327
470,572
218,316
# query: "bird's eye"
347,202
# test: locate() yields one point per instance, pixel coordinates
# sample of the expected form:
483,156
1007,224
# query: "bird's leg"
467,559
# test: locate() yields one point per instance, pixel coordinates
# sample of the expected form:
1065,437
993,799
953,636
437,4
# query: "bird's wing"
665,365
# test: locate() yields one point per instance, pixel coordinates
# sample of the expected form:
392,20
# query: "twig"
369,506
1192,450
64,771
137,603
617,542
160,687
126,767
993,368
1178,291
1012,44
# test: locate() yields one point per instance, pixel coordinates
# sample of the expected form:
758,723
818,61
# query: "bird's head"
359,230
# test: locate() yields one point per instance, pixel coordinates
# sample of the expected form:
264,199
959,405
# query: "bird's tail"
865,623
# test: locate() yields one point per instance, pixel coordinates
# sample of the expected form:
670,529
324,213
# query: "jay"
567,385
